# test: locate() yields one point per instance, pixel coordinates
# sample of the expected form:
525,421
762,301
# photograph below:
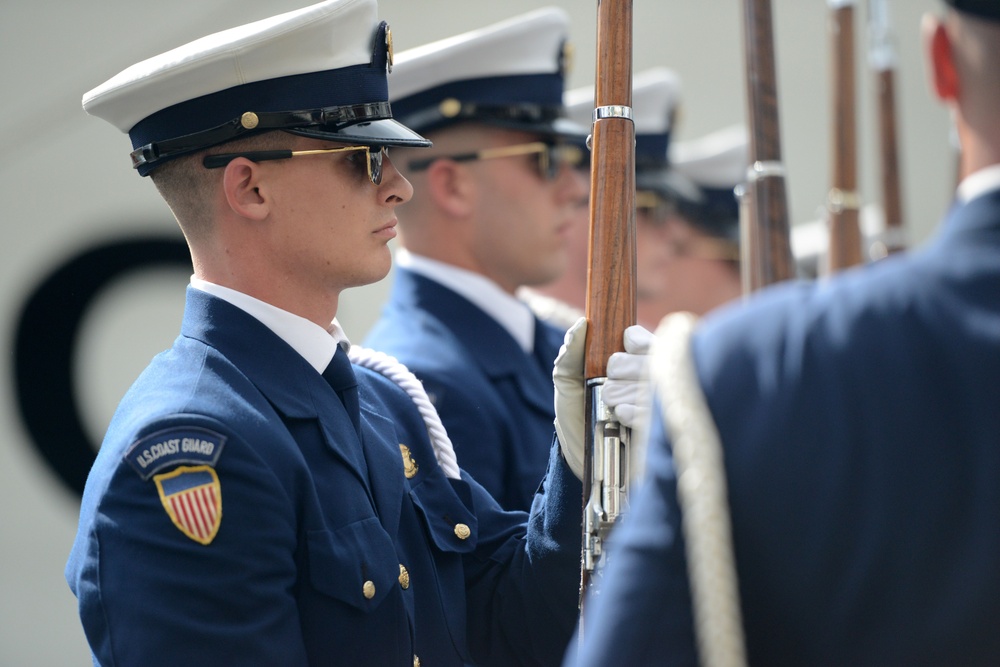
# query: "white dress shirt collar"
316,344
509,312
979,183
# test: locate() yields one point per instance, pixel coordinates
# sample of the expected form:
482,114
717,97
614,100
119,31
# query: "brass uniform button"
368,589
404,577
249,120
416,661
462,531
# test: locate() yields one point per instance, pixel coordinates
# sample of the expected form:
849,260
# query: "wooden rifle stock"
610,305
766,255
843,205
883,61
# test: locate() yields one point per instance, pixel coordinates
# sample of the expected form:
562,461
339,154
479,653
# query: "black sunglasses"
373,161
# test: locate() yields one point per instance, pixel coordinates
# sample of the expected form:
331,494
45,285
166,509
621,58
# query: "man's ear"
452,187
940,58
241,183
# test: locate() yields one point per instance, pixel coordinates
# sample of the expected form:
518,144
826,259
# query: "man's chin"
372,275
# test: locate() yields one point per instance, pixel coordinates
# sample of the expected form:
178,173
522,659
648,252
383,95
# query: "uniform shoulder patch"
192,497
175,446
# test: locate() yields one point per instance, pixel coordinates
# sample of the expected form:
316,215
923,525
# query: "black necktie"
340,375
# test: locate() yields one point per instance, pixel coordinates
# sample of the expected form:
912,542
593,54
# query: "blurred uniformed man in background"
687,214
697,263
562,301
493,205
859,427
258,499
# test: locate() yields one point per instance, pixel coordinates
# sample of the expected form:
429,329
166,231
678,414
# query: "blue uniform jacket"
860,419
495,400
326,553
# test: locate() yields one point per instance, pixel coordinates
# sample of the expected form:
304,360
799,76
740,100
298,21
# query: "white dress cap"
717,160
511,74
716,163
326,62
656,96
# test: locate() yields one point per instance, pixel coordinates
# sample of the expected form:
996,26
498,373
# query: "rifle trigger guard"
613,111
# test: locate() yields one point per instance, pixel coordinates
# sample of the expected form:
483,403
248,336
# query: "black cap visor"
381,132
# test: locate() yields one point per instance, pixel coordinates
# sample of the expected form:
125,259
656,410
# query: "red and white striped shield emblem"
192,497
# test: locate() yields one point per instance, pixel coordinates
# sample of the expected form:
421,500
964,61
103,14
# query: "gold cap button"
462,531
249,120
388,50
368,589
404,577
450,107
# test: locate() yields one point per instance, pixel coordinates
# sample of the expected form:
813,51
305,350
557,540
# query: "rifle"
610,278
882,59
843,203
766,254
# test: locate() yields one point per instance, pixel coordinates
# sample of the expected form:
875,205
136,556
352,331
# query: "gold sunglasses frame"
374,170
542,149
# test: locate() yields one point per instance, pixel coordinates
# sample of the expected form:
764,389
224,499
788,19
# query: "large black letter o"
46,339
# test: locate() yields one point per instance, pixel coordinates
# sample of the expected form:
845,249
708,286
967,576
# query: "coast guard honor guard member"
856,423
493,204
259,500
687,215
701,233
655,96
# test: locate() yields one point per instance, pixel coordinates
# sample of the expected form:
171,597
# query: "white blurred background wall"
66,185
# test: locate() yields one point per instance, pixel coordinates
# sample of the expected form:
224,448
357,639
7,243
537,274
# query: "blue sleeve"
149,594
520,580
522,586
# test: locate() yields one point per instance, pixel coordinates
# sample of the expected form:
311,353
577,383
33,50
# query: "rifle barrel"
883,62
844,203
766,246
611,276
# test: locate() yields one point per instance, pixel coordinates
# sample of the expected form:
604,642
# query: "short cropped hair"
187,186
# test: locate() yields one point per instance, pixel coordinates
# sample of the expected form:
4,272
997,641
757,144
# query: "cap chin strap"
334,118
452,110
391,368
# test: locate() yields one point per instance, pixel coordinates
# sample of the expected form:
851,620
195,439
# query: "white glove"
626,391
567,376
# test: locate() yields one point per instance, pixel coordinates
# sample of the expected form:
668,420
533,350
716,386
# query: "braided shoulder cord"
701,492
391,368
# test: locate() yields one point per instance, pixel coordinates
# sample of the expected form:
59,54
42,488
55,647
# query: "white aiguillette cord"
701,492
391,368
